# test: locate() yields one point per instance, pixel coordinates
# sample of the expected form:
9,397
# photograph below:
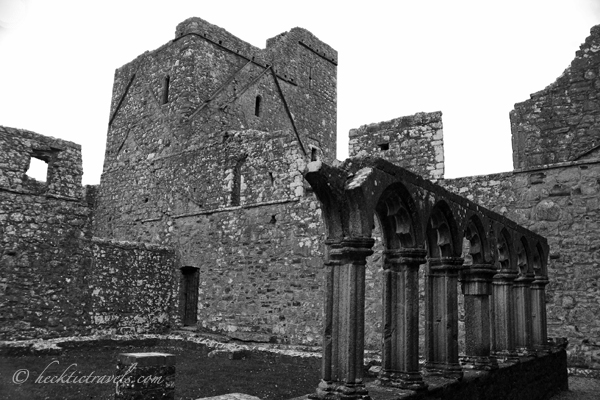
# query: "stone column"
538,312
503,310
441,323
145,376
400,358
523,316
477,288
344,331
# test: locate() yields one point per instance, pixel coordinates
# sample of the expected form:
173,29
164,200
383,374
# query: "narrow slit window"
165,90
257,106
313,154
238,180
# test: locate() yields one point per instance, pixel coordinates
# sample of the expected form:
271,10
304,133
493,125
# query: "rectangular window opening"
384,146
38,169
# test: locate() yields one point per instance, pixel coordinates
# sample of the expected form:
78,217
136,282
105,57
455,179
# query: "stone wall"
52,272
415,142
562,203
562,122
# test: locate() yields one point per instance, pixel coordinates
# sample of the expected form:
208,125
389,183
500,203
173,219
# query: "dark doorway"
190,278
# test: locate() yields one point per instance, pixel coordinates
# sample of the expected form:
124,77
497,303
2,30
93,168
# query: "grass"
265,375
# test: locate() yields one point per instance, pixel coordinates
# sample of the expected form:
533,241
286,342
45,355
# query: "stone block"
145,376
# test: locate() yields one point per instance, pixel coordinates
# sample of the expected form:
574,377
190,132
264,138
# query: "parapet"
19,146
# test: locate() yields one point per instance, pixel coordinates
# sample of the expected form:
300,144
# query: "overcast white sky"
470,59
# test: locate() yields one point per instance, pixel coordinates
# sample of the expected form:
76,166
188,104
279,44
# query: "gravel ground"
581,389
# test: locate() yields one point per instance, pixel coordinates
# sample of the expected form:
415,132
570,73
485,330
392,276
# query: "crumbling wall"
561,203
43,262
562,122
415,142
50,270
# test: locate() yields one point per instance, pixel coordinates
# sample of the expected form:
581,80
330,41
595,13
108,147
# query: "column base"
526,352
543,349
480,363
332,390
505,356
402,380
446,370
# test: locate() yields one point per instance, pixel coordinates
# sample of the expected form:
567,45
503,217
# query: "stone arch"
474,232
522,297
398,216
403,254
539,261
504,251
441,232
524,257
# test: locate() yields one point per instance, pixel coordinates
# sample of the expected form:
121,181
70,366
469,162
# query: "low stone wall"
133,287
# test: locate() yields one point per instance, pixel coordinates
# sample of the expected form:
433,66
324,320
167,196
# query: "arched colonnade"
503,283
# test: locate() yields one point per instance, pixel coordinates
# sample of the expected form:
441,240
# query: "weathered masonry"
204,216
503,281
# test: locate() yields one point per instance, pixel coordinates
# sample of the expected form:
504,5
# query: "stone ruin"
221,196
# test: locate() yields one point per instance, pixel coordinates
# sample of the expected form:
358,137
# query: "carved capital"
476,279
446,264
539,282
349,250
411,258
504,277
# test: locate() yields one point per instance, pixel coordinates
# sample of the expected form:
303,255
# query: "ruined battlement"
65,170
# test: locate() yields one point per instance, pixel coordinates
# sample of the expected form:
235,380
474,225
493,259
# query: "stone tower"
189,119
207,141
